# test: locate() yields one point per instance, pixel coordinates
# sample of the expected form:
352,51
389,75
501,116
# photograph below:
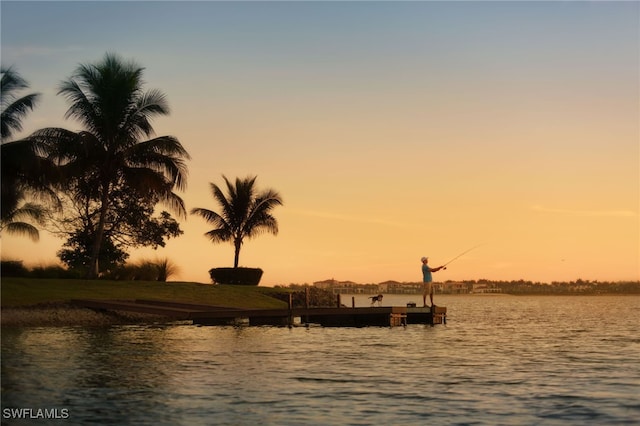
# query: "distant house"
326,284
485,288
388,286
455,288
396,287
342,287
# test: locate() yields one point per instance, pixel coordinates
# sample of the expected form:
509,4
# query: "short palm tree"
245,213
24,173
108,100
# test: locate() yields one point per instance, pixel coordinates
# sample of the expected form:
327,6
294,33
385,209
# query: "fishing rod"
460,255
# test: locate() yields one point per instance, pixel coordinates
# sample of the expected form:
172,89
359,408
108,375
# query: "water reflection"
529,360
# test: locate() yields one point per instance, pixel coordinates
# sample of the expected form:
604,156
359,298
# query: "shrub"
236,276
13,268
166,268
144,270
54,271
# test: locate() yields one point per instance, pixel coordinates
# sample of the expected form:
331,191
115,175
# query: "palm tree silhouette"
25,175
108,100
245,213
14,109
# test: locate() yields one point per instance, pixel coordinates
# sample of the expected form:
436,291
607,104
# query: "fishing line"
460,255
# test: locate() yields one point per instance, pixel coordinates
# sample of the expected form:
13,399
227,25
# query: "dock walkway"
330,317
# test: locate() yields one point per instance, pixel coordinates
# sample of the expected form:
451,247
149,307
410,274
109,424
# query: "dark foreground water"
500,360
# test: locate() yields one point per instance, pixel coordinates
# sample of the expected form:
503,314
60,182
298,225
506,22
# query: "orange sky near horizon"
392,131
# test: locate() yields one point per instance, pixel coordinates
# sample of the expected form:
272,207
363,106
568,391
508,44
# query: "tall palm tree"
107,98
24,173
245,213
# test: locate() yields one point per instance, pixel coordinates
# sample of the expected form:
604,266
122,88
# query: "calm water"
499,360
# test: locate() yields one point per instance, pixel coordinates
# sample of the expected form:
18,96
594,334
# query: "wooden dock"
328,317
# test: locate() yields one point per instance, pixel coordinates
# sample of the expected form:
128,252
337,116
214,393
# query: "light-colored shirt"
426,273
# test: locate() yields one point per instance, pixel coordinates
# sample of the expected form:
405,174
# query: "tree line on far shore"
571,287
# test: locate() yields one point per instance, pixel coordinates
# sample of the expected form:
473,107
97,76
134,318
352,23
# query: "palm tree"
24,173
245,213
108,100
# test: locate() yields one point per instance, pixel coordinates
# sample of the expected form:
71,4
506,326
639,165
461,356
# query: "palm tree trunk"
237,243
94,267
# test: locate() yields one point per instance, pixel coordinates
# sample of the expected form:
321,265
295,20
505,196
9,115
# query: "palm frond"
12,116
14,109
11,81
22,228
219,235
218,195
174,203
140,112
26,174
81,106
60,145
210,217
150,104
13,222
164,154
149,182
31,211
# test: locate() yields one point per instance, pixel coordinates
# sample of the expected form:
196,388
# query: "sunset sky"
392,130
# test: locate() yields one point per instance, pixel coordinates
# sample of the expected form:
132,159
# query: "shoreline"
63,314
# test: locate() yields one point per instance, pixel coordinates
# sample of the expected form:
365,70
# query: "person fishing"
427,280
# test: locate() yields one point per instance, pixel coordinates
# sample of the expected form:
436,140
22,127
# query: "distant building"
344,287
454,288
485,288
326,284
395,287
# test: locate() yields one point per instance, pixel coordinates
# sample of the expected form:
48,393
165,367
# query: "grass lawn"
30,291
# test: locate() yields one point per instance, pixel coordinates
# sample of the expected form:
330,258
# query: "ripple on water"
502,360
